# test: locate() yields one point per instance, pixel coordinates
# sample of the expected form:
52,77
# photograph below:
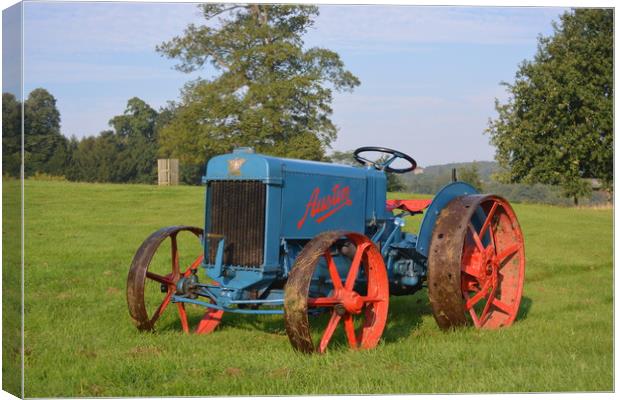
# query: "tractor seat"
414,206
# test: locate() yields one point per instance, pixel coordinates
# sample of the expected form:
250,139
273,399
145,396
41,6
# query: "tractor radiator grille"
238,212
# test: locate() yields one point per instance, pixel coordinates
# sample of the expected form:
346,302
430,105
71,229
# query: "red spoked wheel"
357,301
476,264
153,278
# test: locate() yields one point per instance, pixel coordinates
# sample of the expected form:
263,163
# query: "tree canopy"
136,131
45,148
471,175
557,125
128,153
11,135
97,159
268,92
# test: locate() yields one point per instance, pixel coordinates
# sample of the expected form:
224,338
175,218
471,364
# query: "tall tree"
557,126
471,175
138,119
342,157
269,92
45,149
97,159
136,131
128,153
395,183
11,135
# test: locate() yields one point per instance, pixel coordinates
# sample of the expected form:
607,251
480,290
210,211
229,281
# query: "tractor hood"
307,197
244,164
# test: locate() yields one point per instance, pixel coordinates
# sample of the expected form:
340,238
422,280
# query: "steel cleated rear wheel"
154,274
359,305
476,264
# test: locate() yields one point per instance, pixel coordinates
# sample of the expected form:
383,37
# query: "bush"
42,176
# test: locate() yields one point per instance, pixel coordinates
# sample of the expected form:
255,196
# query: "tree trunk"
576,200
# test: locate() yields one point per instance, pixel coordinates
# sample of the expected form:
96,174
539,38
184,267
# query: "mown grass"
79,341
11,288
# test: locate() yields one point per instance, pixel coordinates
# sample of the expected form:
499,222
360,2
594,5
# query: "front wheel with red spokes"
157,267
355,295
476,264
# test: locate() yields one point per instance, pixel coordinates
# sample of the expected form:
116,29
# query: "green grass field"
80,341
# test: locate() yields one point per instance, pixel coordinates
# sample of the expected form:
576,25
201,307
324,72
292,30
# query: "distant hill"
485,169
436,176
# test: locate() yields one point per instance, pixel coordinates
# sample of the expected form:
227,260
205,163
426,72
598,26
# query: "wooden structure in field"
167,171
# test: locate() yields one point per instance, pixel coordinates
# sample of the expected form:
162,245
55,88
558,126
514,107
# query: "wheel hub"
187,285
488,266
350,301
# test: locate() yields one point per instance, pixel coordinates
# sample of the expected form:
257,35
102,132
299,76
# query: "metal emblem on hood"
234,166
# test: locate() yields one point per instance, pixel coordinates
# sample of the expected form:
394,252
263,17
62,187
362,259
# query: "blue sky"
429,74
11,51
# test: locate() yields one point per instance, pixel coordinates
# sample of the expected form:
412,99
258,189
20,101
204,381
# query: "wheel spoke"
333,271
474,317
487,222
508,252
372,299
355,266
158,278
473,300
503,307
349,328
322,302
492,238
470,269
329,332
487,306
194,266
183,317
161,307
469,285
474,234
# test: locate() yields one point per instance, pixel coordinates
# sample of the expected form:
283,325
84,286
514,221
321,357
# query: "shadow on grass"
524,308
404,317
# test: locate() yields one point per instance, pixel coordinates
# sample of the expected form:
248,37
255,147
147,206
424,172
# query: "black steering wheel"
384,164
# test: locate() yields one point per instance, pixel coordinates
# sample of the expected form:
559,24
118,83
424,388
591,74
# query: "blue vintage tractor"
321,244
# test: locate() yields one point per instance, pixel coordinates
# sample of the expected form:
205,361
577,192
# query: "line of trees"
46,150
271,93
485,176
125,153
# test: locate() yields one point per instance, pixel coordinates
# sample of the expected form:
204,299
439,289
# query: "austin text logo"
321,208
